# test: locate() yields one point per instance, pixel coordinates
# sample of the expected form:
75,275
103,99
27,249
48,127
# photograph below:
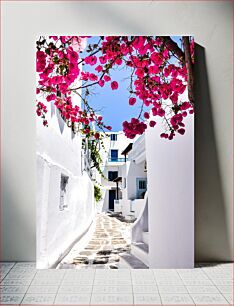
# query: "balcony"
116,159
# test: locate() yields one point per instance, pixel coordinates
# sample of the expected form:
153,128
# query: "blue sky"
113,105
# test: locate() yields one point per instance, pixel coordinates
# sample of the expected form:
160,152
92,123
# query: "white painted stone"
170,174
58,227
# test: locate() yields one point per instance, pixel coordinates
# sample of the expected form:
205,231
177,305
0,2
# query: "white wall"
120,145
135,171
211,24
59,152
57,230
170,174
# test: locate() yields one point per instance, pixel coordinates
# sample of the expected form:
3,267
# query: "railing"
116,159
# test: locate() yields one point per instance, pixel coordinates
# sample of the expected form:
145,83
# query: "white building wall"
135,171
171,198
59,152
120,144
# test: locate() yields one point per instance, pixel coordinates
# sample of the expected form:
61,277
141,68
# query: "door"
114,155
141,187
111,199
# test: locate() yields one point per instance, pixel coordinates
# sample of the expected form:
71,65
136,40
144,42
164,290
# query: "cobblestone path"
110,240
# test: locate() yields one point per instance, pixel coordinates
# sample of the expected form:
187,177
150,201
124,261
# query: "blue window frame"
113,137
141,187
112,175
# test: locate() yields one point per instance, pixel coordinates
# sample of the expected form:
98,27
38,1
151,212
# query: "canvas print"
114,149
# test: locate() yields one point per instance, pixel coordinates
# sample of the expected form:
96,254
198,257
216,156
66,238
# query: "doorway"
111,199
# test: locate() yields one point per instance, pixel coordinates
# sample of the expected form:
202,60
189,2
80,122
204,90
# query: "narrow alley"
109,248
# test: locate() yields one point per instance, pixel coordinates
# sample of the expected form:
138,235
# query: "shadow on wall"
211,232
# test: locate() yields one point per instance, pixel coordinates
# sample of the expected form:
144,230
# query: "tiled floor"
207,284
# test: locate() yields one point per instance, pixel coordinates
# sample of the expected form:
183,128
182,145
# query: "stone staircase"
141,249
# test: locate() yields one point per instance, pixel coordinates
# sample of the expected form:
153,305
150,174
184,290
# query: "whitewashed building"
113,160
65,196
158,190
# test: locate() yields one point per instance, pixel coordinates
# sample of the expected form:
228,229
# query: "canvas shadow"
211,228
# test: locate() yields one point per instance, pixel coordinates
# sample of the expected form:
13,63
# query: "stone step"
141,251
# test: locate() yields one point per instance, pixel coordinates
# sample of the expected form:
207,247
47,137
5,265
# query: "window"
113,137
63,190
141,187
114,155
112,175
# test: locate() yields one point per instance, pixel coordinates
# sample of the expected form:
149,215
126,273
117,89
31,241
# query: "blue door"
114,155
141,187
111,199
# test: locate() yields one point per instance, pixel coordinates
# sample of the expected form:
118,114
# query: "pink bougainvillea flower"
73,68
154,69
118,61
101,83
152,123
114,85
174,97
185,105
84,76
171,135
61,54
91,60
93,77
51,97
156,58
140,73
107,78
99,118
181,131
161,112
40,66
87,131
72,55
154,111
165,53
97,135
63,88
40,55
132,101
102,59
164,135
146,115
98,68
53,37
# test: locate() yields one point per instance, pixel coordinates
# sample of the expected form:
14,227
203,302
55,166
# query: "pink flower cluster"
41,111
156,77
58,69
134,127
